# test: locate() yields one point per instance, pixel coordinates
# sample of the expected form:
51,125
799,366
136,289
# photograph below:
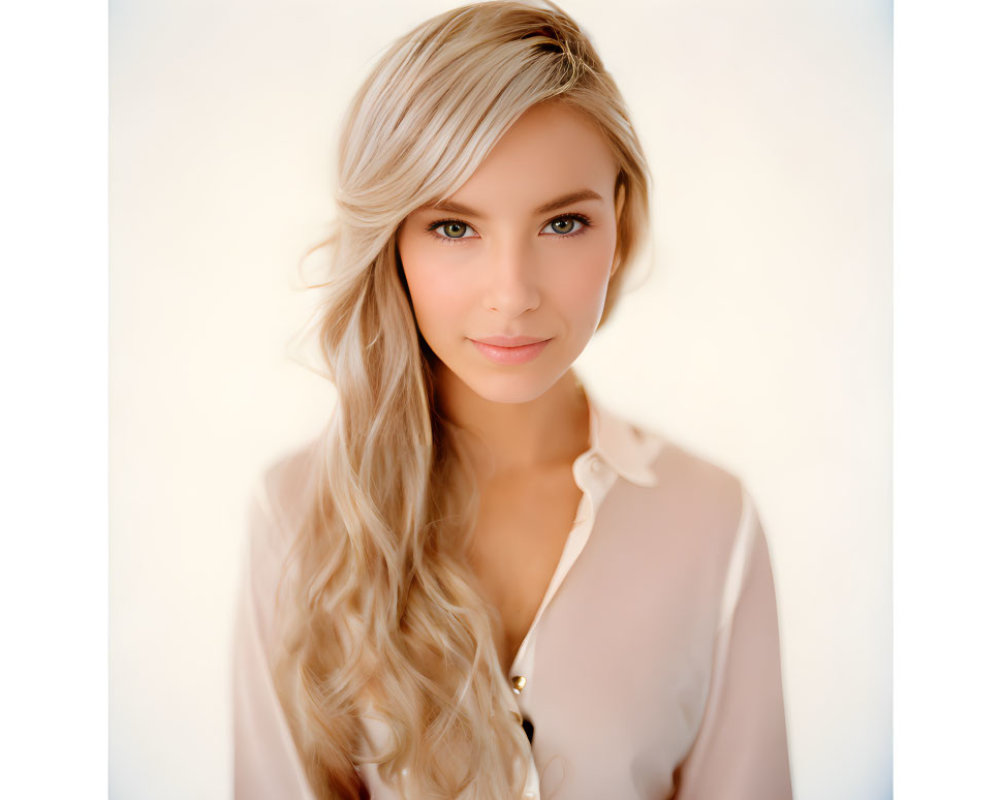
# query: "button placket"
593,476
593,490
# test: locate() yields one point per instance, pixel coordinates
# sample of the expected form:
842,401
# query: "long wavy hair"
385,620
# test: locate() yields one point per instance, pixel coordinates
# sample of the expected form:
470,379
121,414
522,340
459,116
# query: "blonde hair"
385,618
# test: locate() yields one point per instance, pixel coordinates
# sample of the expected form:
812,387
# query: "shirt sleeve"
741,751
266,762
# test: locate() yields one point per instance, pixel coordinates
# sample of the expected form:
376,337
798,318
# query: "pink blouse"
651,669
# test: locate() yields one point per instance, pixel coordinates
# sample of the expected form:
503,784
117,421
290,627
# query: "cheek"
584,280
437,297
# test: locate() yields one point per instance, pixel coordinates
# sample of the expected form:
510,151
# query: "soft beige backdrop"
761,337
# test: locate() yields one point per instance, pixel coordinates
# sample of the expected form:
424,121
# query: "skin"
519,263
516,271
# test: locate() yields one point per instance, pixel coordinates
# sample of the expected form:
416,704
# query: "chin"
511,388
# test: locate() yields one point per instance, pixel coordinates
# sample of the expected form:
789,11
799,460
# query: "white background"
761,337
54,454
53,429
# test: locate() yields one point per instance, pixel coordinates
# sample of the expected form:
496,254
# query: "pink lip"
509,341
510,349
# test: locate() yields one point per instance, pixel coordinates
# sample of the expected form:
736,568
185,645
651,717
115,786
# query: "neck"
503,437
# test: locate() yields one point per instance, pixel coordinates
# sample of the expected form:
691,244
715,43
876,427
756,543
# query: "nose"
511,287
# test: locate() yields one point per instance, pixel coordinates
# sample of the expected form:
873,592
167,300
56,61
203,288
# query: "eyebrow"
559,202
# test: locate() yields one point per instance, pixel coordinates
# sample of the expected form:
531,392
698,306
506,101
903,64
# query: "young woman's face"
509,275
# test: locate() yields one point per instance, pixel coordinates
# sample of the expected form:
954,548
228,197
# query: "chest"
520,533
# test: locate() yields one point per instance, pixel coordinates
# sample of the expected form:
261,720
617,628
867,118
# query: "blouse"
651,669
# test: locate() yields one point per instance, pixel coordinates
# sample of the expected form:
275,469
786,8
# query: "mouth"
510,349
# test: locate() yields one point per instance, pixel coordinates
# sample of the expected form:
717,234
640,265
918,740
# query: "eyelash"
583,219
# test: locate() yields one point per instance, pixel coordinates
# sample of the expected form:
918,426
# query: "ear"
619,205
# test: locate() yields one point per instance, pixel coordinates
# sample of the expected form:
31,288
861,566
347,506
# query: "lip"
510,349
509,341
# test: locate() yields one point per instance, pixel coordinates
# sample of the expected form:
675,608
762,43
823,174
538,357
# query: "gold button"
518,682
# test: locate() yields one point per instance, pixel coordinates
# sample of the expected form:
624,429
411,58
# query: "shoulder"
698,486
685,507
277,507
663,476
281,498
695,522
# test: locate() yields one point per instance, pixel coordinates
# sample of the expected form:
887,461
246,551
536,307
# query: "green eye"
563,226
452,229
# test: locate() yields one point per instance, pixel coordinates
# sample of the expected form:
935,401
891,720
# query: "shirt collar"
629,451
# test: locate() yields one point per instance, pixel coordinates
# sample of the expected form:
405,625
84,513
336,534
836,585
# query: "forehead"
553,149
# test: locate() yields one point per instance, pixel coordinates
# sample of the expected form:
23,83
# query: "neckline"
628,454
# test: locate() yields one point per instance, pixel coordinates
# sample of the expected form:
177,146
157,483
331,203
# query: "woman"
478,583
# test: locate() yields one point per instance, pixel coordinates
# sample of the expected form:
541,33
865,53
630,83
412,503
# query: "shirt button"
518,682
596,465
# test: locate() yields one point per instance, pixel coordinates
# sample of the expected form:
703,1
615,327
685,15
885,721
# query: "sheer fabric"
651,669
